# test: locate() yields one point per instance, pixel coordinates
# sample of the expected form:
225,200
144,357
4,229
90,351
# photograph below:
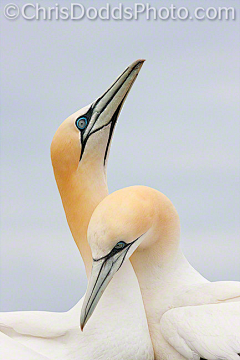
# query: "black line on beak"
113,123
115,115
100,98
86,314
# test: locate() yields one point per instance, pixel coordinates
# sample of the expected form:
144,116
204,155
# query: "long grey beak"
106,108
103,271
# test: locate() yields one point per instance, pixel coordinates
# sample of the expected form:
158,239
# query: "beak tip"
138,63
82,324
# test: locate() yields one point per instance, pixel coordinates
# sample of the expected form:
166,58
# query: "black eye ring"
81,123
120,245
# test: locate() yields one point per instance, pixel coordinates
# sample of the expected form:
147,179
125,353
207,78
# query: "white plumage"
210,330
206,321
113,331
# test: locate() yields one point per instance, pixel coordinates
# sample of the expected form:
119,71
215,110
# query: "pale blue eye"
81,123
120,245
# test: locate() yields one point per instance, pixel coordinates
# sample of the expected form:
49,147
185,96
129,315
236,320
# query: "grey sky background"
178,132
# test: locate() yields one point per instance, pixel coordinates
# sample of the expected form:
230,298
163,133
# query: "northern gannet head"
79,153
84,132
126,223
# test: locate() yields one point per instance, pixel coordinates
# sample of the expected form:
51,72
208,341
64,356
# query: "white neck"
160,282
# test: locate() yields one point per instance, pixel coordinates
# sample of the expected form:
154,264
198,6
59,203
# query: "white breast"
117,330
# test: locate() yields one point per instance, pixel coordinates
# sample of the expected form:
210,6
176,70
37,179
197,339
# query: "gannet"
188,316
119,330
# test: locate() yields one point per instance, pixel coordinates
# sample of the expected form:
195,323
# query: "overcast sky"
178,132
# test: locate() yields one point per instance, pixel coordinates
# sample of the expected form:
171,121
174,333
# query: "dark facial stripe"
86,314
115,251
105,106
123,258
95,104
106,258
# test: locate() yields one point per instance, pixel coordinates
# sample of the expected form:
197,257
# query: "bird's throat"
81,191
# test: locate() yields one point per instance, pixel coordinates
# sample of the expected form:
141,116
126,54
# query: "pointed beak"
106,108
103,271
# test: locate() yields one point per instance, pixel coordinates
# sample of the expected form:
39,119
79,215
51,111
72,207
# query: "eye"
81,123
120,245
